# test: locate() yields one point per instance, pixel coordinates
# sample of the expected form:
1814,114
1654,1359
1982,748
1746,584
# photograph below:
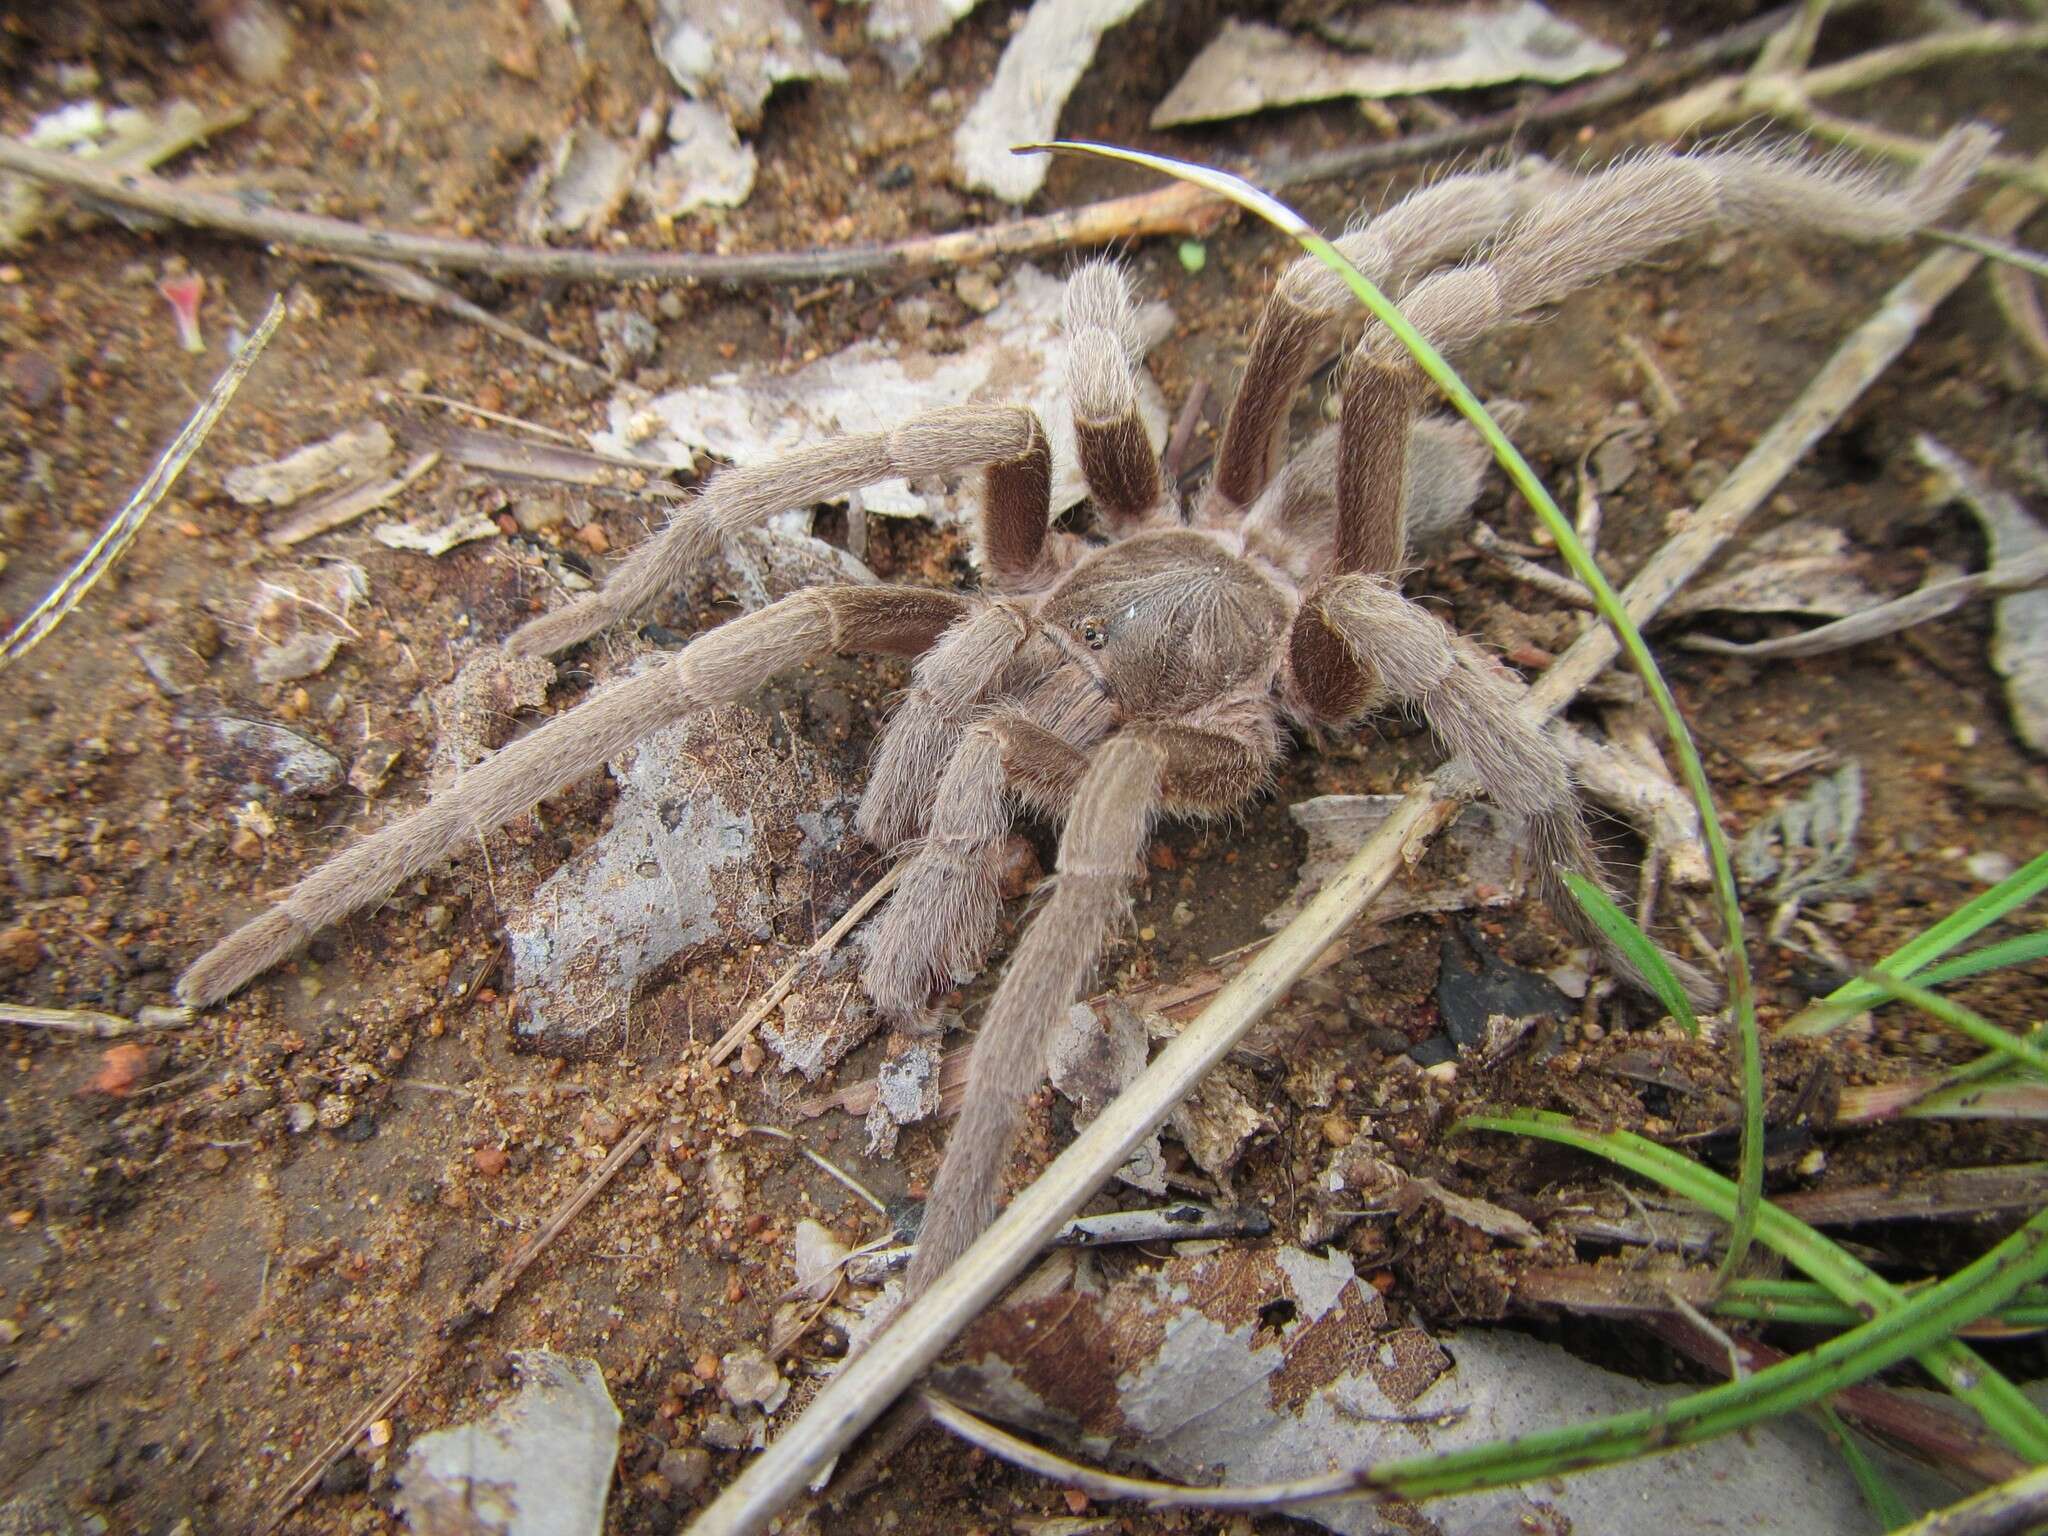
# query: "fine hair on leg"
735,499
718,665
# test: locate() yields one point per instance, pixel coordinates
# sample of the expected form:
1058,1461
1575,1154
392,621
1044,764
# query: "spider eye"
1094,633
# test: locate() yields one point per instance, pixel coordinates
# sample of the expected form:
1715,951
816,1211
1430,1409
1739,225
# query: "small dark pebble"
896,178
351,1474
663,636
361,1128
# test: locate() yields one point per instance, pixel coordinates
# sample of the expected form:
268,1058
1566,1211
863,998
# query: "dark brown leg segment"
1372,462
1102,386
1016,511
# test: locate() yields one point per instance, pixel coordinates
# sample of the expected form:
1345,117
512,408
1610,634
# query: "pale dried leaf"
1041,64
1251,67
757,414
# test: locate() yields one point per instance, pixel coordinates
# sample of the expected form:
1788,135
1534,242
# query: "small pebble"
300,1118
723,1432
1990,866
748,1379
490,1161
122,1069
684,1468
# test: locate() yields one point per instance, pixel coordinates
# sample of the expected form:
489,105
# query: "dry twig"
1179,209
120,532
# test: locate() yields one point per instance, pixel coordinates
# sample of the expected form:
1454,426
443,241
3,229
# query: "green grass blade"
1914,1328
1623,933
1808,1304
1971,918
2004,1409
2020,1049
1883,1499
1741,992
2006,953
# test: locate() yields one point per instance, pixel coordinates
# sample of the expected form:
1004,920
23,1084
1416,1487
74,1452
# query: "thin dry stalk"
1174,210
2010,1509
826,942
86,1023
120,532
408,284
868,1384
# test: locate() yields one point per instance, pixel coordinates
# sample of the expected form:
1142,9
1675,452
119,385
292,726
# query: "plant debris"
1388,50
539,1464
705,165
757,413
1478,862
1041,64
716,831
1805,850
2019,620
1257,1366
351,455
734,55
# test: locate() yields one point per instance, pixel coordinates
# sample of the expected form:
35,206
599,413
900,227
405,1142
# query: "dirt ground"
197,1293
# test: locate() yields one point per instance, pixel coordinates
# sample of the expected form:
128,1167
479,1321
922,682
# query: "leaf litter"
1381,50
755,413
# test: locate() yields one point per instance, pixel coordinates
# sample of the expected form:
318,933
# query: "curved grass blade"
1973,916
1741,994
1964,1021
2005,1410
1623,933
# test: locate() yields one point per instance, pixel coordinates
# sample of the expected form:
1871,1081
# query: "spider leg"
1359,643
1645,203
1372,465
934,443
1294,523
938,927
995,649
1295,329
1204,767
721,664
1102,385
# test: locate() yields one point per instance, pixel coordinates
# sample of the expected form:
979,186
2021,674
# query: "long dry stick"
868,1384
122,528
1177,209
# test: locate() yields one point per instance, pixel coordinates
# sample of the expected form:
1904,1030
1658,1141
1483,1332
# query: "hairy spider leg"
1195,768
1124,479
937,442
1296,329
720,664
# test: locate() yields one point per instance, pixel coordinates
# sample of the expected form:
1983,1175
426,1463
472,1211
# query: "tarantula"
1105,682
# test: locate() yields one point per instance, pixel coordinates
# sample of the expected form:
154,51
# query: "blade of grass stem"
2005,1410
1848,1358
1622,931
2010,1508
1884,1501
1971,918
1727,899
1964,1021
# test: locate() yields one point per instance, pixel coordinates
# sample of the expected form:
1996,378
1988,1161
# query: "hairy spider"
1104,683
